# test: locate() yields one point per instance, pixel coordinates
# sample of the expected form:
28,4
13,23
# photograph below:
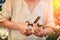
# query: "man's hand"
24,29
37,31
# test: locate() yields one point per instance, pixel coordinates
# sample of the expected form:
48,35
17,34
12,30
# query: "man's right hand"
24,29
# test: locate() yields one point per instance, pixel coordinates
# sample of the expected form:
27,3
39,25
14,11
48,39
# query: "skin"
42,32
22,27
32,4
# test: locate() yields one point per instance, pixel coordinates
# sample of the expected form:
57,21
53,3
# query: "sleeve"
50,16
5,14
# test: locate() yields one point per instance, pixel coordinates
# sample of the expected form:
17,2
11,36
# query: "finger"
35,29
23,32
37,34
28,32
38,28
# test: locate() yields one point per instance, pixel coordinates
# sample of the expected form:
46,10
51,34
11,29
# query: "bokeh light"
56,6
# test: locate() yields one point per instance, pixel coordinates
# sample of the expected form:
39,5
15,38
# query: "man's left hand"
37,31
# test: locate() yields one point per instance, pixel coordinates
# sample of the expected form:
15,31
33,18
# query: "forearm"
10,25
48,31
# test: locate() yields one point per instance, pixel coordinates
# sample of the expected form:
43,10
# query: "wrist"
45,32
42,32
